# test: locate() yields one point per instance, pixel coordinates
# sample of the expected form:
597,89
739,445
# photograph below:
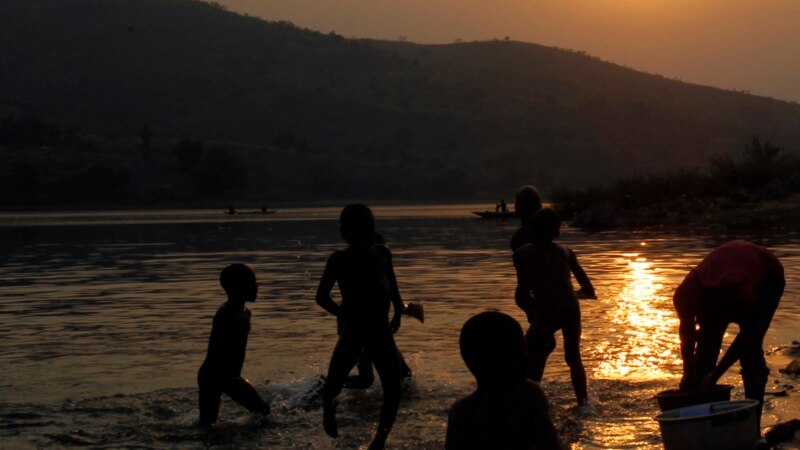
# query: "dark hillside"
324,116
619,119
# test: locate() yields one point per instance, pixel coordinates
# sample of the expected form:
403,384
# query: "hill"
305,115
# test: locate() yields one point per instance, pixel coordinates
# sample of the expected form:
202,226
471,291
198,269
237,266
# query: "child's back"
546,268
545,292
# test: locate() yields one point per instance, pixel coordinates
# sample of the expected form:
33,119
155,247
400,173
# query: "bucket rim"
676,392
744,404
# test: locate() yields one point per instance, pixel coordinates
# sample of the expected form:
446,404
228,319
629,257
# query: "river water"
105,316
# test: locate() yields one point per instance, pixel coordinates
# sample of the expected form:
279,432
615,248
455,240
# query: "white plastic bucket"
727,425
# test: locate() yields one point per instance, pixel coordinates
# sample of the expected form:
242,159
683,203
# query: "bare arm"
731,356
522,293
746,332
688,338
394,290
326,285
586,290
688,335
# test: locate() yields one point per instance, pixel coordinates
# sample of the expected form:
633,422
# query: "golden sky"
751,45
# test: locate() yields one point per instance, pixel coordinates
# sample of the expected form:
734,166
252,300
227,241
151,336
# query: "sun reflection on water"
641,326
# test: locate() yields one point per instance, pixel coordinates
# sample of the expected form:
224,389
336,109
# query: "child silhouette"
506,411
367,285
545,293
222,369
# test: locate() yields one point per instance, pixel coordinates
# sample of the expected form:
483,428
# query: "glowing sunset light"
646,348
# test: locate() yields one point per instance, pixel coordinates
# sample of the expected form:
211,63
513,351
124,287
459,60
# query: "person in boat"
506,411
546,294
738,282
222,369
368,285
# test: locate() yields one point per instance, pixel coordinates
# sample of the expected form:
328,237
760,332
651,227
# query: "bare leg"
243,393
572,354
754,367
405,371
709,342
345,355
210,394
384,353
364,378
540,344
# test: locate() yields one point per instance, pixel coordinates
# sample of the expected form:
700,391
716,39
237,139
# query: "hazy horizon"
742,45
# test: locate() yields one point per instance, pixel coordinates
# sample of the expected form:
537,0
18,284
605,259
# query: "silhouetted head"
493,348
357,224
527,201
545,224
239,283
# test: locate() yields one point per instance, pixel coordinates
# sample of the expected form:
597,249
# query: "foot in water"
585,409
379,441
329,420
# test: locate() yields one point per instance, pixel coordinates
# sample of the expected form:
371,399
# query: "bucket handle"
723,419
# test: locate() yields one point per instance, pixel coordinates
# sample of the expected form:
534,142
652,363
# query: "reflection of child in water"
222,369
367,285
506,411
545,293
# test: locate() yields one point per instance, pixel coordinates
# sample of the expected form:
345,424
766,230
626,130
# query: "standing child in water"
545,293
506,411
365,377
367,285
222,369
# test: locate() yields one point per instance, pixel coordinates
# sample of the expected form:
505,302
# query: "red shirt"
737,270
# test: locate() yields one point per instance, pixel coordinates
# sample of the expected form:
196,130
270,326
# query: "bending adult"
738,282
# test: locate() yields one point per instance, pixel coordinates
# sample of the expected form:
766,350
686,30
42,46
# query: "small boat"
267,211
232,212
495,214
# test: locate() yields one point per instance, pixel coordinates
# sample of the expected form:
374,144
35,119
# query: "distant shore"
720,213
